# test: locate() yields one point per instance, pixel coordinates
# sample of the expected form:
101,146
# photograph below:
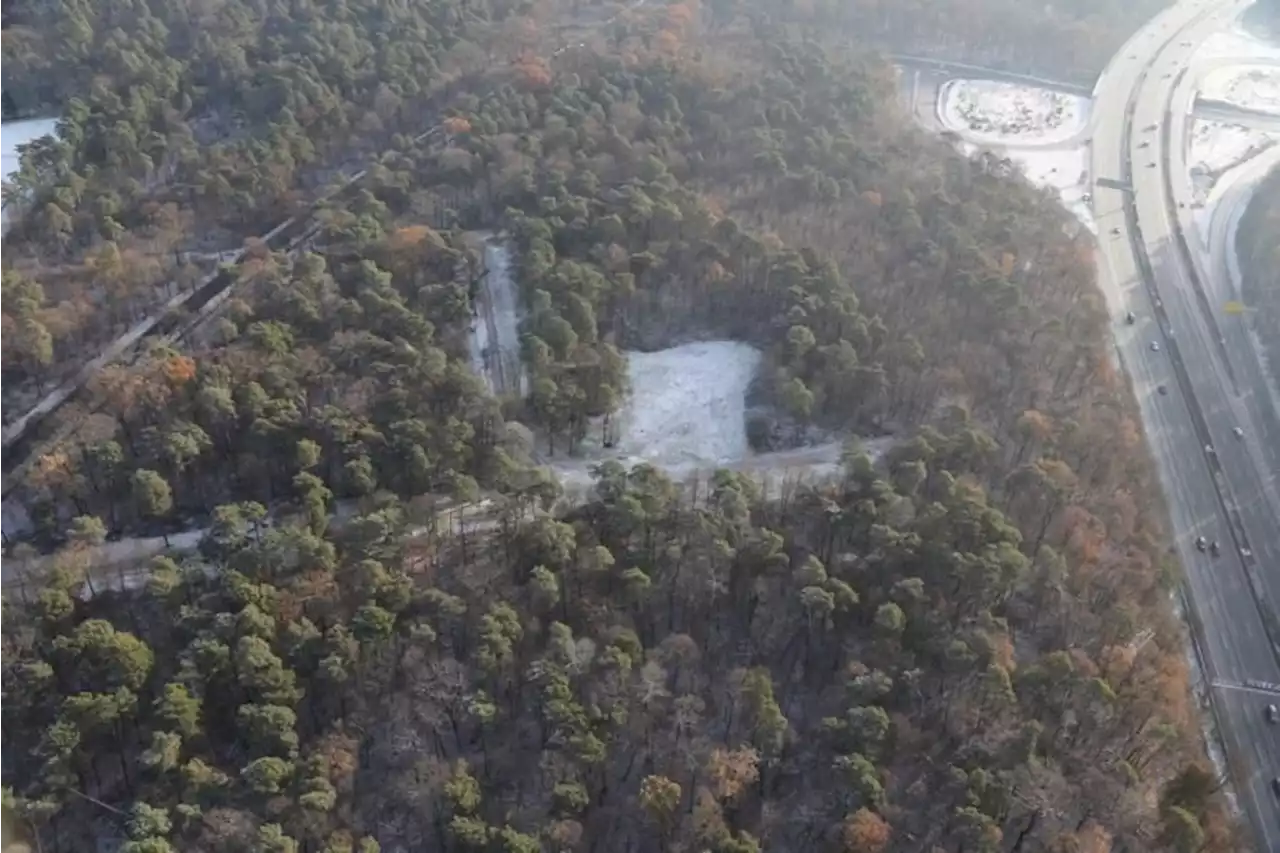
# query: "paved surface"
953,70
1225,494
496,332
1229,114
922,79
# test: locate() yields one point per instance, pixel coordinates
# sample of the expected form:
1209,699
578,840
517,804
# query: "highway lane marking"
1261,809
1205,522
1266,688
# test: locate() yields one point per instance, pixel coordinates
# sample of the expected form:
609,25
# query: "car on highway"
1237,432
1155,346
1201,544
1146,143
1129,316
1115,232
1163,390
1271,713
1275,786
1214,548
1151,165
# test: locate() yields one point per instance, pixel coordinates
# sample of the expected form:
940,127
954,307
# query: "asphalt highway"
1216,485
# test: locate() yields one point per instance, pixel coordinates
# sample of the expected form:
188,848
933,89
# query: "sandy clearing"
993,112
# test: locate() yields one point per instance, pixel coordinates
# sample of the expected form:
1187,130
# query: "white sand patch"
1230,194
994,112
687,415
1032,127
688,404
1251,87
1238,44
1064,170
15,133
1218,146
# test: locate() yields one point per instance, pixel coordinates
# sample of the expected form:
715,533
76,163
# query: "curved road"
1216,485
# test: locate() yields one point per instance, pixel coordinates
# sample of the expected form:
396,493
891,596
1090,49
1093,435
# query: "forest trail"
495,333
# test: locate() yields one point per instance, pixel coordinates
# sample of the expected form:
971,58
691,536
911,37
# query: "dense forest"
185,129
964,646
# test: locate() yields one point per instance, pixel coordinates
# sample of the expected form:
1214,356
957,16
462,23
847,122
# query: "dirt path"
495,335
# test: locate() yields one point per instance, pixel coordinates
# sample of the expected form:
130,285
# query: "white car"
1155,346
1237,432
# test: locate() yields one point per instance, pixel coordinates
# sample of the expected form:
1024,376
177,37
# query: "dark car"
1129,317
1214,548
1275,786
1164,391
